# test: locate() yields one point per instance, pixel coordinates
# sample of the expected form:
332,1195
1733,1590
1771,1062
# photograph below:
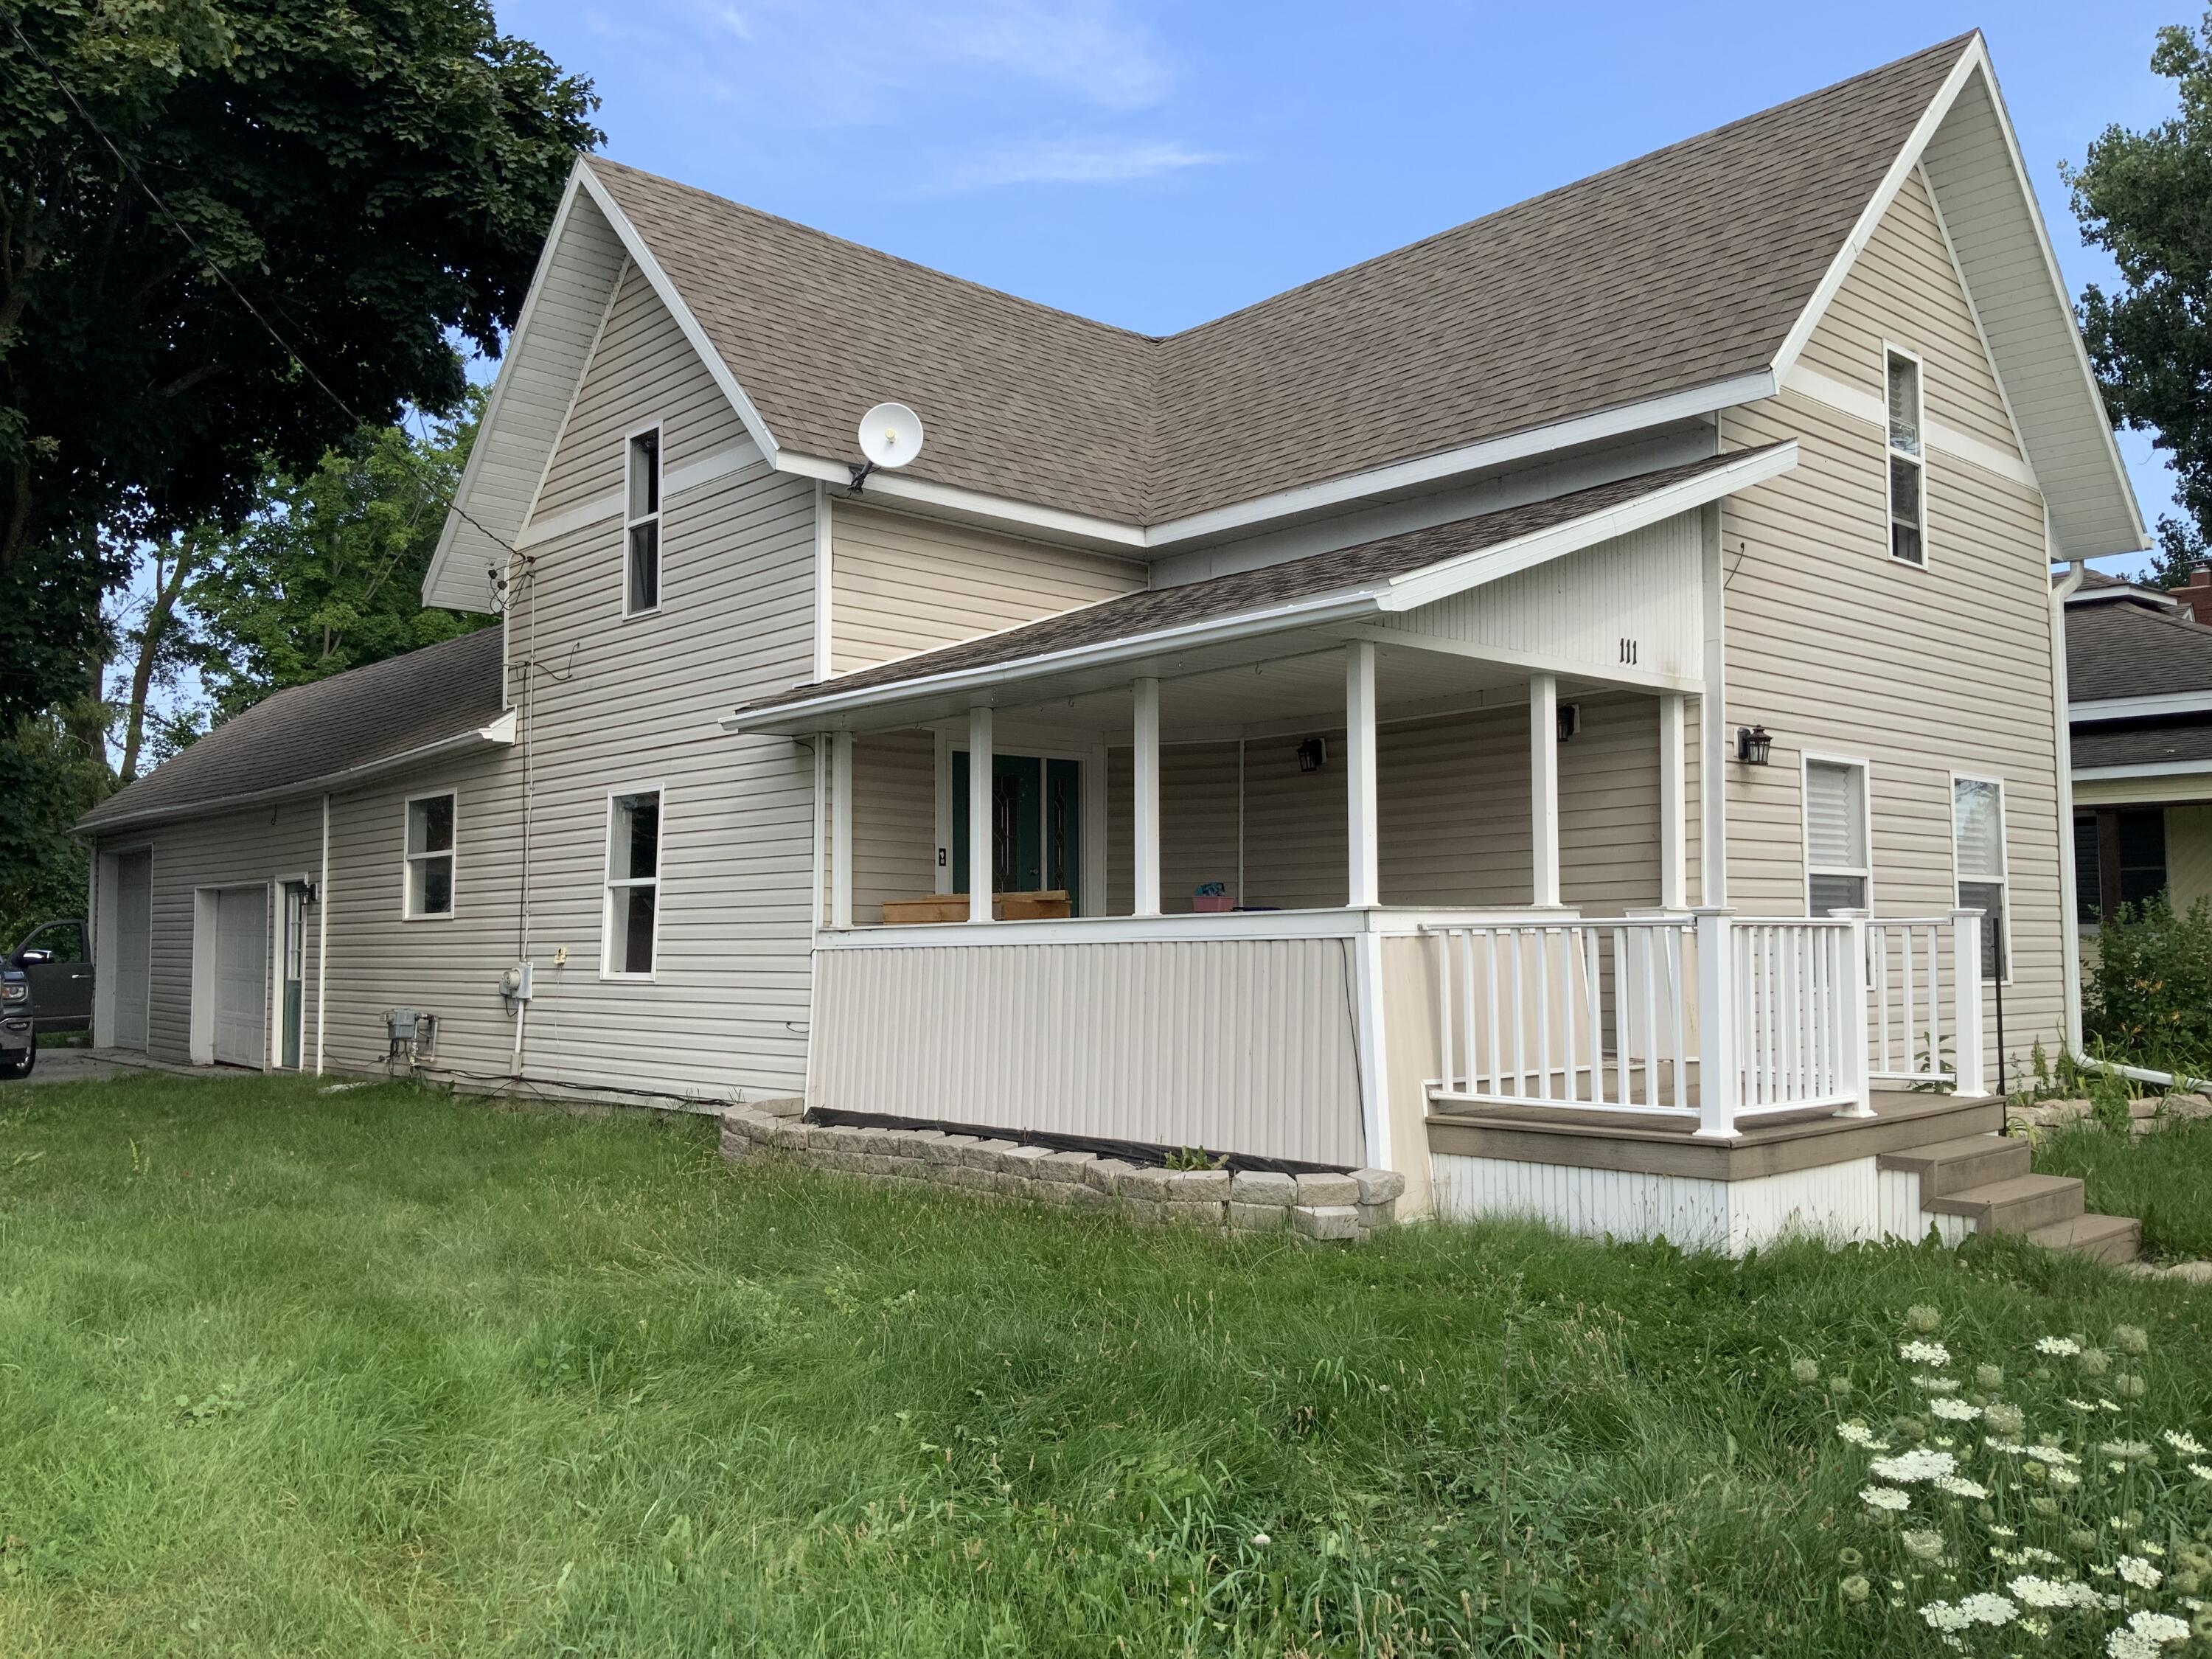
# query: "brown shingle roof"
2125,649
1342,570
366,714
1678,270
2131,745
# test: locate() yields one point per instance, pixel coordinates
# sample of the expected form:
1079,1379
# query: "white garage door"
134,930
241,976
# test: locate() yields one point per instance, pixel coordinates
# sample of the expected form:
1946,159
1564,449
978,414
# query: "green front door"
1036,825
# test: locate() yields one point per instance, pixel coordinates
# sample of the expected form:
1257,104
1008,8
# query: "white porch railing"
1615,1014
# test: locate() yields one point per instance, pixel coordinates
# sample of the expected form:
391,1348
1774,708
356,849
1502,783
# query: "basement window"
1977,853
642,524
633,903
429,861
1908,492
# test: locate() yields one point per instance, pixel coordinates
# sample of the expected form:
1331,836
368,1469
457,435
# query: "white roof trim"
2150,706
2146,770
1347,605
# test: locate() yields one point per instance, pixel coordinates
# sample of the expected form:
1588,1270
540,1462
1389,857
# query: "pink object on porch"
1210,904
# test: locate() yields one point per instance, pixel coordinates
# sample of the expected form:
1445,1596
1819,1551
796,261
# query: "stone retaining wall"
1316,1207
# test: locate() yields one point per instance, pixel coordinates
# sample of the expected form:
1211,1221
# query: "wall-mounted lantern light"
1571,720
1752,744
1313,754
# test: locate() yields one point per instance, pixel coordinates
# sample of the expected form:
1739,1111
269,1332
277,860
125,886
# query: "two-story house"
1565,710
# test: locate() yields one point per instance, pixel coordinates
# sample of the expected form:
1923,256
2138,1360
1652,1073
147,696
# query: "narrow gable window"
1978,850
633,907
1908,496
430,873
642,524
1837,870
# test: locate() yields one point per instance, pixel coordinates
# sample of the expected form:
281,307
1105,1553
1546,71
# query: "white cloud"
1069,161
1086,50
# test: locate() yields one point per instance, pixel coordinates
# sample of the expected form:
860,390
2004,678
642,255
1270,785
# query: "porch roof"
1395,572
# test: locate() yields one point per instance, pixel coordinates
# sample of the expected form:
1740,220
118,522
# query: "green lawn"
376,1373
2165,1178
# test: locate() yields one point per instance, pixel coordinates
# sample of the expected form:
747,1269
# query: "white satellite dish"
891,435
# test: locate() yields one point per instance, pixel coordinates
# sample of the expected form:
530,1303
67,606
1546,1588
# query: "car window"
64,938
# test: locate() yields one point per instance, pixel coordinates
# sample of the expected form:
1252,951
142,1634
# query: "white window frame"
409,859
1805,760
609,882
656,518
2003,879
1891,348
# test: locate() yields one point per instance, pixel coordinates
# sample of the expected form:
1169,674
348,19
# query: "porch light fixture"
1571,721
1752,744
1313,754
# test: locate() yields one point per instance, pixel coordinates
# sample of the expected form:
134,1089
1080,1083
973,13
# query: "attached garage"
129,965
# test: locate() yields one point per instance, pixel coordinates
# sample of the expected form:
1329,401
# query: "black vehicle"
56,957
18,1045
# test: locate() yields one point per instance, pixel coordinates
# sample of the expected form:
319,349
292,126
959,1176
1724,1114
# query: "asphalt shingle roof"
2140,745
2121,648
1682,268
364,715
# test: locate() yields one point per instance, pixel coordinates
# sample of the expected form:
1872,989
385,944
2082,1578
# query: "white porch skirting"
1239,1044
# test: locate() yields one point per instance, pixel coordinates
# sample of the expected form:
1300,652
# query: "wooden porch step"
1953,1166
2113,1238
2016,1204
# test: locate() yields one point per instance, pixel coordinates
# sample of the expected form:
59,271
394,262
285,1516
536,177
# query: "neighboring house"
1552,637
2139,693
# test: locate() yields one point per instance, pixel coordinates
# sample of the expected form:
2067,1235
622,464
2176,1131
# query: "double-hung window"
1977,851
642,524
633,906
430,873
1908,480
1839,873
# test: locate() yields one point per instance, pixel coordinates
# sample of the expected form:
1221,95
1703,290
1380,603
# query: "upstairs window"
1908,494
1839,873
642,524
430,873
1977,851
633,904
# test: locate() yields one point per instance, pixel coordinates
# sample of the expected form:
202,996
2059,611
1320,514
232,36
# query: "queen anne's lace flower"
2185,1443
1968,1611
1936,1384
2130,1339
1924,1353
2128,1450
1855,1432
2202,1471
2139,1572
1886,1497
2064,1347
2145,1632
1955,1411
2053,1592
1917,1465
1958,1487
2004,1419
1922,1546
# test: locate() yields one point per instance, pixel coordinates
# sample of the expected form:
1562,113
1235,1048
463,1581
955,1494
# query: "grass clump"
381,1372
2165,1178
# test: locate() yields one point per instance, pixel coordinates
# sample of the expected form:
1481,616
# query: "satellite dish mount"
890,436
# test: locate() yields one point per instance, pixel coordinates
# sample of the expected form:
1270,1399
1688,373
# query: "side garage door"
241,976
129,969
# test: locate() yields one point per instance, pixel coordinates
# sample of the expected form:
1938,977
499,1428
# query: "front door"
296,961
241,963
1036,826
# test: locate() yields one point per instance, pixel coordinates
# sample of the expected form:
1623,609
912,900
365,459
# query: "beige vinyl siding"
1453,802
2188,855
900,583
1838,649
252,847
894,820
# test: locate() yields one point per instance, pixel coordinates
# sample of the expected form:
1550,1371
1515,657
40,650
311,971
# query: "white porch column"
1146,816
841,830
1713,738
1674,832
979,815
1719,1081
1544,787
1967,1022
1365,882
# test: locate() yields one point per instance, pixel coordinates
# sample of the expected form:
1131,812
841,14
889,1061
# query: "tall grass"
378,1372
2164,1178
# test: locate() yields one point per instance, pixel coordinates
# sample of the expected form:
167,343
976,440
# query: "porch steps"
1986,1180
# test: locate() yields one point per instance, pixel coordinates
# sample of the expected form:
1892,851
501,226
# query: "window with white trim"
1977,853
1837,871
1908,480
430,856
642,524
633,907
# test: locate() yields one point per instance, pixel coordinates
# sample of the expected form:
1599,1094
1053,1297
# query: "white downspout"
2069,951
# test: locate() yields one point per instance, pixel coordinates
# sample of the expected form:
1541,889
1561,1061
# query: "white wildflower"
1981,1608
2139,1572
1886,1497
2185,1443
2146,1632
2128,1450
1936,1384
1917,1465
1924,1353
2062,1347
2081,1405
1261,1541
1855,1432
2065,1478
1953,1411
2202,1471
1922,1546
1958,1487
2053,1592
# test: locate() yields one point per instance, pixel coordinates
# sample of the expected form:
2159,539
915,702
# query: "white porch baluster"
1544,787
1146,762
1719,1070
1366,881
1966,1020
979,815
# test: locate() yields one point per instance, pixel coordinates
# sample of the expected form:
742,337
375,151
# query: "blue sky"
1154,165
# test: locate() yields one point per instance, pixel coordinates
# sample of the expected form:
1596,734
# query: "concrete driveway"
87,1066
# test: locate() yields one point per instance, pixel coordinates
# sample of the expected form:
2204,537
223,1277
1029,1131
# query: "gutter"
499,732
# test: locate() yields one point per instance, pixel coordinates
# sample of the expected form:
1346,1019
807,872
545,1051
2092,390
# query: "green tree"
2143,197
49,778
375,176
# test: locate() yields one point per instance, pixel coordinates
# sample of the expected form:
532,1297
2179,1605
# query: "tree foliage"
374,177
49,778
2146,198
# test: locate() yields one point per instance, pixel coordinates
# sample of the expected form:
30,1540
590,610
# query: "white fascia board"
500,734
2143,707
641,256
1489,564
2145,770
1306,499
497,401
2129,592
